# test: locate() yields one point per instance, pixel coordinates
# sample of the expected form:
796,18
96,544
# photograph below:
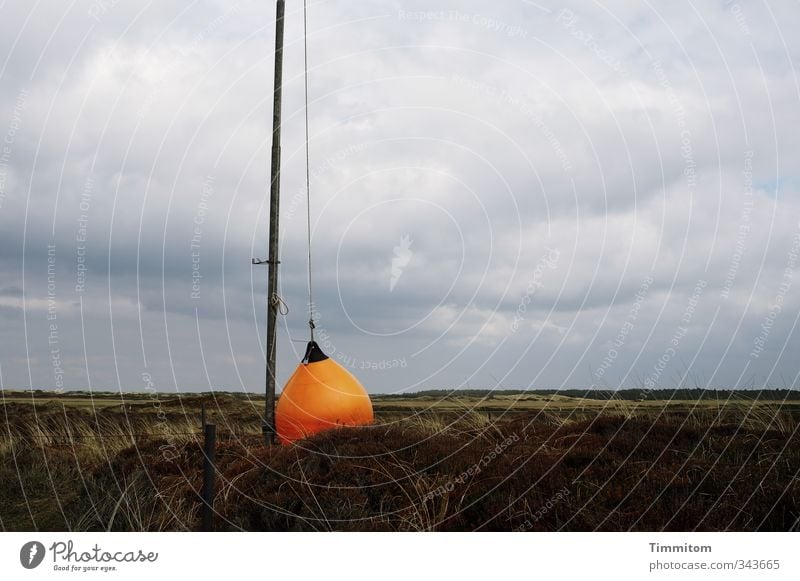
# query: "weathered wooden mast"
273,302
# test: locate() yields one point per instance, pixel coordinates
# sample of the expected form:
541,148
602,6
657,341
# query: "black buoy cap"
313,353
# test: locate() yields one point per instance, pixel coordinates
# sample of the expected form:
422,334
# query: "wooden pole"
209,447
268,426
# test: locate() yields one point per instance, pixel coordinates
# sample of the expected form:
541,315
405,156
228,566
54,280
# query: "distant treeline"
624,394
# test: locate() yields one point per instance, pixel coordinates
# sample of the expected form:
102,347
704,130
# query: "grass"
547,462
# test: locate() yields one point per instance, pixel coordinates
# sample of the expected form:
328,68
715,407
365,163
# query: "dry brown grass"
584,466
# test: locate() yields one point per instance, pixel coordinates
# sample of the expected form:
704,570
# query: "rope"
311,325
277,301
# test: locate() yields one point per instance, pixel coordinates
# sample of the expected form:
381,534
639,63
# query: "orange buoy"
320,395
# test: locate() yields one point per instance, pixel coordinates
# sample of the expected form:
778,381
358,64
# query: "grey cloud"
618,135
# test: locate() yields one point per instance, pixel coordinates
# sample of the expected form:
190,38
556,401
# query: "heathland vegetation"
467,460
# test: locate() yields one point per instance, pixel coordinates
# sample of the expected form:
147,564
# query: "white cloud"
616,134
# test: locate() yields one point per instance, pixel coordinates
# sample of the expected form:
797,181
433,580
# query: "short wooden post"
203,415
210,432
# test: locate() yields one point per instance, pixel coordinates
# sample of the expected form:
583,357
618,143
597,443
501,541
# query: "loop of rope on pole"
277,301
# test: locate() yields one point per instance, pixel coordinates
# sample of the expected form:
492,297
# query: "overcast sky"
517,194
